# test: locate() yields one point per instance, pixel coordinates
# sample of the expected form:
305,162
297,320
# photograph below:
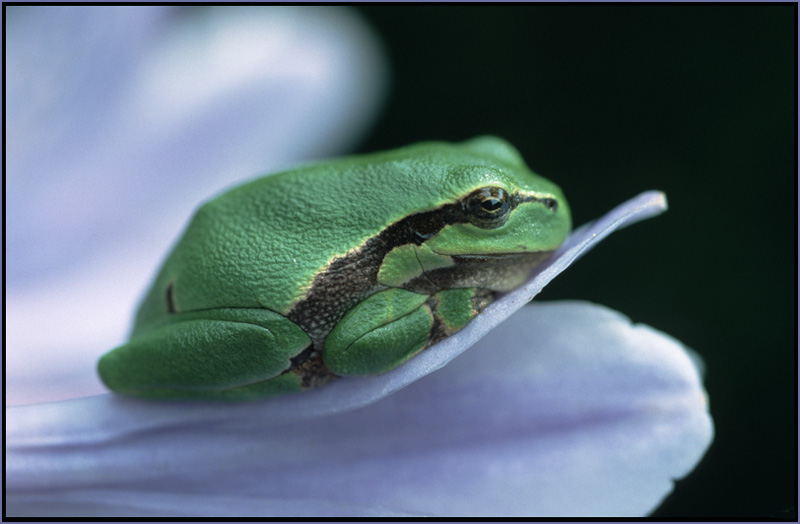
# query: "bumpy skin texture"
359,249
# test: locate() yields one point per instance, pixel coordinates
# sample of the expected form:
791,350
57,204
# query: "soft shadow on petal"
122,120
575,413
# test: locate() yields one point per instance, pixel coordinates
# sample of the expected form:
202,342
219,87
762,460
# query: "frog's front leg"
228,354
393,325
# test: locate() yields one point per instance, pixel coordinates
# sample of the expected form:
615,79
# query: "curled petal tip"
654,202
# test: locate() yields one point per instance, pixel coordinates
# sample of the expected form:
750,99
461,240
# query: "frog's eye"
487,207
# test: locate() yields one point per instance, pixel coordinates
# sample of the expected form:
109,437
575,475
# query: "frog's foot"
222,354
393,325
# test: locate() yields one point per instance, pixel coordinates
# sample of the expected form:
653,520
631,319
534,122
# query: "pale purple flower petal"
576,413
120,121
570,410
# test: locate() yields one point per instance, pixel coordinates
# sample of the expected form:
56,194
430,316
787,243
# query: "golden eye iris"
487,207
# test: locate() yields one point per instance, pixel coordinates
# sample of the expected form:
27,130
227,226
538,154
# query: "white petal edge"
591,416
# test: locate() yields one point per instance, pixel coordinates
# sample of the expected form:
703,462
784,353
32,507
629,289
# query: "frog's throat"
492,272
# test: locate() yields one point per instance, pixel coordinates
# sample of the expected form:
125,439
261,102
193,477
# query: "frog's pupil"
491,204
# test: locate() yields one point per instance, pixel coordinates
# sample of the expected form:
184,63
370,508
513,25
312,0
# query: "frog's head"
496,220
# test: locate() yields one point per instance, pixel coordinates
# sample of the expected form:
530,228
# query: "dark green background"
609,101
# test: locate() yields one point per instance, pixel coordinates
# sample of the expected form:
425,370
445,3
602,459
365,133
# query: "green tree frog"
348,267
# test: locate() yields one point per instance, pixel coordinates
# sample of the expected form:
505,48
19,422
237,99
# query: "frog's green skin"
348,267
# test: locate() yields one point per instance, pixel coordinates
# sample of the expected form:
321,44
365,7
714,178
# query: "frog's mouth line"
496,256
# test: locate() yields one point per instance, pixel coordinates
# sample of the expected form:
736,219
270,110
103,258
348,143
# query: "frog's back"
261,244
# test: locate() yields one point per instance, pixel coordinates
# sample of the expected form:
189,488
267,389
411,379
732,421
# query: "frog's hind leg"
379,333
213,354
393,325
